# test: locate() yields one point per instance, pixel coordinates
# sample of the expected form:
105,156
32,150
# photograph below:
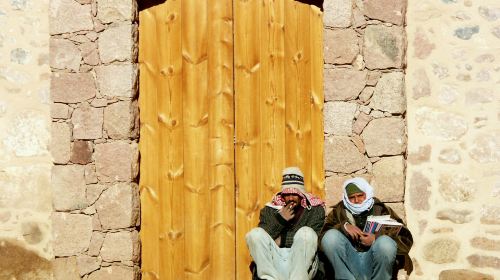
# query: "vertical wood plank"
317,130
196,138
292,87
221,133
148,184
303,60
168,22
247,114
272,96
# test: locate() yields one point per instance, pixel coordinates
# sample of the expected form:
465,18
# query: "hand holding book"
382,225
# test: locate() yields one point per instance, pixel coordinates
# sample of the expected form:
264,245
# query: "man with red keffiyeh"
285,243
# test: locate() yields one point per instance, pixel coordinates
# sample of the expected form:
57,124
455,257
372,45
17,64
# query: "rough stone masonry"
93,46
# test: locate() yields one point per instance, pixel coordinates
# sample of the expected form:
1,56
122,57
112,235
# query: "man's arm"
272,222
317,220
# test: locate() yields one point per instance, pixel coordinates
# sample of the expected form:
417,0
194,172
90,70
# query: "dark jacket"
338,217
272,222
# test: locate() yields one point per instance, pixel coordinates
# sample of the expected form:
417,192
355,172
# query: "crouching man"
285,243
354,254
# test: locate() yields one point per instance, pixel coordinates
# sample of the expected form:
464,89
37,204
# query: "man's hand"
367,239
354,232
287,212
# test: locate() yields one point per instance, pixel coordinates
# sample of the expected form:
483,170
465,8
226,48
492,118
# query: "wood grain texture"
231,92
148,184
317,96
221,133
248,132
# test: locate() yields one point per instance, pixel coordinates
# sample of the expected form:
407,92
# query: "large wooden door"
230,93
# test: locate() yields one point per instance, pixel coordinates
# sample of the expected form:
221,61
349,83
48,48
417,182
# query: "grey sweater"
272,222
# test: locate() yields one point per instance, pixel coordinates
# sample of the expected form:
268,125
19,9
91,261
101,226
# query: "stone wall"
453,185
25,162
93,47
365,103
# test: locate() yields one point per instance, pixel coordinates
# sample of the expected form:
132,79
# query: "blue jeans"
376,263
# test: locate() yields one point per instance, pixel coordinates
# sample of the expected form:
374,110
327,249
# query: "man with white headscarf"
354,254
284,244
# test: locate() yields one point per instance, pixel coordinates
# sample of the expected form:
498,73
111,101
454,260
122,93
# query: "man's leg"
264,252
304,246
383,253
340,253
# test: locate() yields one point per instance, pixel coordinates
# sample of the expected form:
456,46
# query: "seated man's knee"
384,245
332,238
255,235
306,235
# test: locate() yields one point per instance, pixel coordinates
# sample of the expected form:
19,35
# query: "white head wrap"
363,185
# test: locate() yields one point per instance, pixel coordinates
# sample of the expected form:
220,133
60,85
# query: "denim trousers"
275,263
349,264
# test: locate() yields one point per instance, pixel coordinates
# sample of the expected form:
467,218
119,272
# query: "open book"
382,225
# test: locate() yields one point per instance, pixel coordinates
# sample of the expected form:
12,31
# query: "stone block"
116,42
339,117
90,53
383,47
456,187
60,142
361,121
343,84
441,250
385,136
486,147
68,226
118,206
64,55
451,156
341,46
421,85
333,189
115,272
60,111
26,187
121,120
95,243
116,161
68,16
463,274
90,174
68,186
87,122
422,45
81,152
28,134
389,95
421,155
117,80
94,191
440,124
72,88
490,215
120,246
484,261
455,216
484,243
65,269
392,11
420,193
337,13
389,179
116,10
87,264
32,232
341,155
